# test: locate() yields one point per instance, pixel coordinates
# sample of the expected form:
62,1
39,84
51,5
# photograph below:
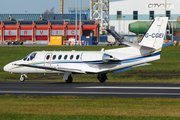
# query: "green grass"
73,107
78,117
165,70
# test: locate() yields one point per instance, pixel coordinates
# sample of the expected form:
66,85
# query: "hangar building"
38,28
124,12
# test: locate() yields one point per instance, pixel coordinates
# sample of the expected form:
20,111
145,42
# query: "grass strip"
140,108
78,117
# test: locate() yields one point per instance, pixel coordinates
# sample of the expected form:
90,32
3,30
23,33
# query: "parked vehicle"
14,42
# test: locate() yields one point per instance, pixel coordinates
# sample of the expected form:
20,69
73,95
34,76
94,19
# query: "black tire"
22,79
102,78
69,80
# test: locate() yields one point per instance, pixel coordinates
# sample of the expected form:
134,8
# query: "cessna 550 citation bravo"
94,62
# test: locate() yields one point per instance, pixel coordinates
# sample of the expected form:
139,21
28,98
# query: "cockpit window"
32,56
26,57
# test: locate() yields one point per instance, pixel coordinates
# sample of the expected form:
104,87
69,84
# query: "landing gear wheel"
22,78
102,78
70,79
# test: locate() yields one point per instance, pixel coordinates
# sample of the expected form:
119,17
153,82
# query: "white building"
123,12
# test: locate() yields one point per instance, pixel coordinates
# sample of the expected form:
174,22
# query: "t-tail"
152,42
155,35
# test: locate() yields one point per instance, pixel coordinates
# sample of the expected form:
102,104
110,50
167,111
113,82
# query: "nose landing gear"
22,78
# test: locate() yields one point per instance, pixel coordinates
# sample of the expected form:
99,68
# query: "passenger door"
47,59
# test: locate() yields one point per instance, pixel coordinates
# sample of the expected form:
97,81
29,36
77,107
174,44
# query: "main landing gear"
70,79
102,78
22,78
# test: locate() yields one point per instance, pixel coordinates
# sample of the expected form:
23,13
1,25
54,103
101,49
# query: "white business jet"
94,62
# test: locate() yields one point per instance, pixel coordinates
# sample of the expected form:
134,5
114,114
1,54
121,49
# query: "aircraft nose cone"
7,67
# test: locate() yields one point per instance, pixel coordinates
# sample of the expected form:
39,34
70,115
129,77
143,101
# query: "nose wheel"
22,78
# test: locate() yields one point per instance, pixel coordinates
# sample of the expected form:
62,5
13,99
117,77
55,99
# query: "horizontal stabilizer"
144,64
122,70
129,68
168,44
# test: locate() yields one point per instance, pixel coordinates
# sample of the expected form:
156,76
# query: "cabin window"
32,56
54,57
60,56
48,56
77,57
71,57
65,57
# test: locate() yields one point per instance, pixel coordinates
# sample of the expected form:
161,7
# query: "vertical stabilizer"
155,35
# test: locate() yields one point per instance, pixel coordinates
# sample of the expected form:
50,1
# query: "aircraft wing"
129,68
53,68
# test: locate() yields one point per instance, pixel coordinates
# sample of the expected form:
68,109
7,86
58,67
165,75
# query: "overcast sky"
36,6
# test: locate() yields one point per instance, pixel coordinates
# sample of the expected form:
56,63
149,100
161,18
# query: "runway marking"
93,93
112,87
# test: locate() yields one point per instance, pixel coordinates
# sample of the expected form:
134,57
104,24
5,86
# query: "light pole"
165,8
124,24
172,31
80,22
76,21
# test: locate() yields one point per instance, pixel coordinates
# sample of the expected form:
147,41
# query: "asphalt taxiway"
165,90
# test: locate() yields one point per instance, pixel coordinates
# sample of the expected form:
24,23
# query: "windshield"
30,57
26,57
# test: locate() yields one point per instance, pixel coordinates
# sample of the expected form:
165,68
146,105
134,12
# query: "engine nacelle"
97,57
